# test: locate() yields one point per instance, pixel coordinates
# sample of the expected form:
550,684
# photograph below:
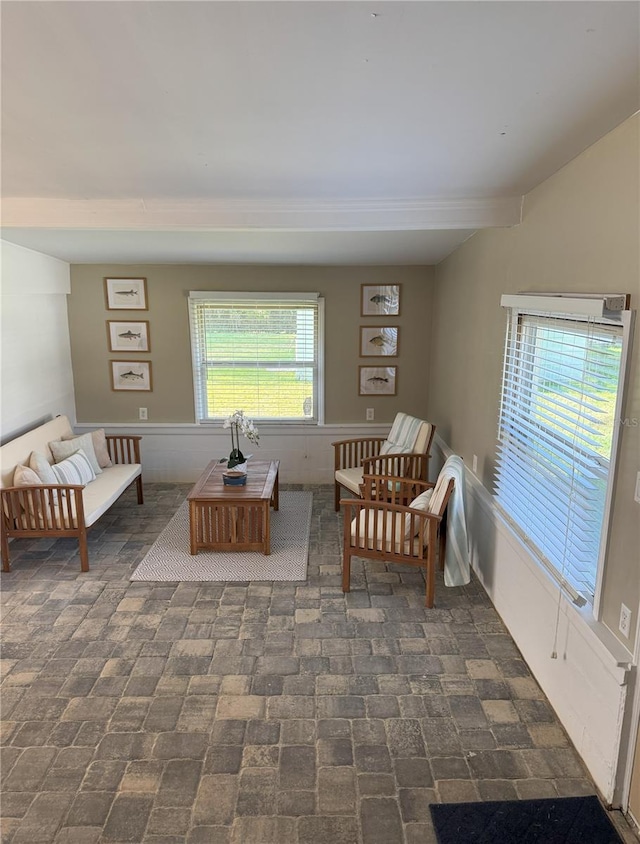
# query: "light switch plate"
636,497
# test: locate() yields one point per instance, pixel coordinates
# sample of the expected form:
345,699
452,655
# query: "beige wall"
172,397
580,233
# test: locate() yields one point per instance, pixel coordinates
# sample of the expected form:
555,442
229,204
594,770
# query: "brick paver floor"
256,713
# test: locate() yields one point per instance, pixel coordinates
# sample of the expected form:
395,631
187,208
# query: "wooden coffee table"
233,518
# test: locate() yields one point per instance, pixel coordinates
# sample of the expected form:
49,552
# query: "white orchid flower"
239,423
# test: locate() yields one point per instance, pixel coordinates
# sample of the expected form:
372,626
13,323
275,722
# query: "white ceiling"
363,132
241,247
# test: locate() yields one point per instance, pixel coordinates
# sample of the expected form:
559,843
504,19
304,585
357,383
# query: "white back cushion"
408,434
18,450
439,492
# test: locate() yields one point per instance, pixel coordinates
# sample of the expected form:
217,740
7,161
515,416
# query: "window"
256,352
561,394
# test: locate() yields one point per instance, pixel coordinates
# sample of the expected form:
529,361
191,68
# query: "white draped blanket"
456,558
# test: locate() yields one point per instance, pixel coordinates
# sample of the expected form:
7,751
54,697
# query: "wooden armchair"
403,453
380,527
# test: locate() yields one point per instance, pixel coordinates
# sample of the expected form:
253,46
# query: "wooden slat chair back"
404,453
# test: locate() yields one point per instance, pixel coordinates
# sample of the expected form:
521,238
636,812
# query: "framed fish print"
379,341
380,300
132,375
128,336
377,380
126,294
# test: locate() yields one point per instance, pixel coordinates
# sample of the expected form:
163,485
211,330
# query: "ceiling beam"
300,215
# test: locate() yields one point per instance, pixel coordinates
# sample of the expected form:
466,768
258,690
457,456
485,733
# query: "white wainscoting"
179,453
587,683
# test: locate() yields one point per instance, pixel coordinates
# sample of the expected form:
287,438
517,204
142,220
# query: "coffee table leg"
193,515
266,528
276,493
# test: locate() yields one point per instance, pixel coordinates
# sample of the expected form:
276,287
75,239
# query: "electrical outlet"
636,497
142,413
370,414
474,465
625,621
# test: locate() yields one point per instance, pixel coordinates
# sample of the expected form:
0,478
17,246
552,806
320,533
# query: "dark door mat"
562,820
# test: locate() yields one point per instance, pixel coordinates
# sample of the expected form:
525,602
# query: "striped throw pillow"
74,470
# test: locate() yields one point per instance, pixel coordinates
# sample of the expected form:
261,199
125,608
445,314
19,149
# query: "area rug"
562,820
169,559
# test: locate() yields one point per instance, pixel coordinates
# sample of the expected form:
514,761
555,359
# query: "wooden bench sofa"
52,511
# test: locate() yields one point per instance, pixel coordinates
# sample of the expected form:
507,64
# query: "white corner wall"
35,356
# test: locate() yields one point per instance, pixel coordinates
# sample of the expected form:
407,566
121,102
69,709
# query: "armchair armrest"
387,507
42,507
123,448
414,466
393,489
351,453
380,529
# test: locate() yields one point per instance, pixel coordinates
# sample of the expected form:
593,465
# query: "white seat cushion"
100,494
371,522
351,479
97,496
56,517
368,519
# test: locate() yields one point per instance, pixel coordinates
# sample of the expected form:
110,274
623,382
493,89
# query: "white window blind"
557,423
256,352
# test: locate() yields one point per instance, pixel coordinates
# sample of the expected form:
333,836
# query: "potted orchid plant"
239,424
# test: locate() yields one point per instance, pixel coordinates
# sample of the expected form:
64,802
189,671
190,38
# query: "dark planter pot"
235,458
